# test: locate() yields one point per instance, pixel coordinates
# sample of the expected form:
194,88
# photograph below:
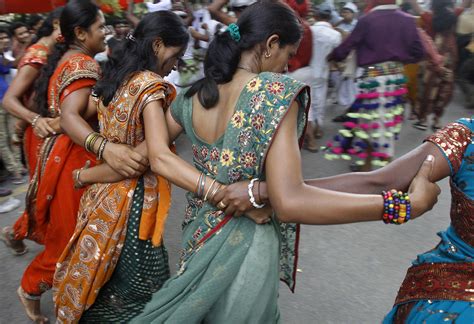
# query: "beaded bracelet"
397,207
251,196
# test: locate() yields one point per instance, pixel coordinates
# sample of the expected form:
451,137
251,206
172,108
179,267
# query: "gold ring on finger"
221,205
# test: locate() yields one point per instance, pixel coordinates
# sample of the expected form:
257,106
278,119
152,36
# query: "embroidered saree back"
90,258
229,267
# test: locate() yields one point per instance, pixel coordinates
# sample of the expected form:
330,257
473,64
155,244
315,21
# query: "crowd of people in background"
78,87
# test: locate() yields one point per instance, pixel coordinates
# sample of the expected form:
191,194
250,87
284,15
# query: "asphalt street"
347,273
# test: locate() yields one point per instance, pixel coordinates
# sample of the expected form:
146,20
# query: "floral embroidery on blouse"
240,155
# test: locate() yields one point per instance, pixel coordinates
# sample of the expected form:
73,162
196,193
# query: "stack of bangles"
396,207
211,191
90,144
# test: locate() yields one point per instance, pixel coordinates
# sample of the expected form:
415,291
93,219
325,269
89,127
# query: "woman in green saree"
245,123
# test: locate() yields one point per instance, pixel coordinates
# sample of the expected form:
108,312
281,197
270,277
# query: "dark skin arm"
162,160
120,157
396,175
198,36
237,196
12,102
130,16
215,9
295,201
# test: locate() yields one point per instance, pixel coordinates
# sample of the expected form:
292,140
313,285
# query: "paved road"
348,274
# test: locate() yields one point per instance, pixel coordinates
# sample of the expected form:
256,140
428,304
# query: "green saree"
229,267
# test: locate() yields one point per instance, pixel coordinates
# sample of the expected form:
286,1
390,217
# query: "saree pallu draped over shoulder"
51,201
229,267
89,260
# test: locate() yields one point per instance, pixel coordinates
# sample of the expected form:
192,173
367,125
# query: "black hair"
324,15
17,25
5,30
136,53
119,21
47,27
444,18
76,13
34,19
258,22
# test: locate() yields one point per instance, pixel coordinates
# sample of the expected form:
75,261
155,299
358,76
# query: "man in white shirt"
348,21
325,39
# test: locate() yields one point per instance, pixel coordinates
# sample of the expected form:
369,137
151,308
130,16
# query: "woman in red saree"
63,91
51,201
18,102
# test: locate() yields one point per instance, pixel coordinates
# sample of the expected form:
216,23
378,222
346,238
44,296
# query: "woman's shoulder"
36,54
78,66
277,83
146,80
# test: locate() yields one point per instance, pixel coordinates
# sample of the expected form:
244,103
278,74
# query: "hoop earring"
267,55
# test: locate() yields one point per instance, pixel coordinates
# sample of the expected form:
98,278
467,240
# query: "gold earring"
267,55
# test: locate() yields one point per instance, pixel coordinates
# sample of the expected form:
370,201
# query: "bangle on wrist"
78,184
35,120
216,189
202,183
90,141
209,189
100,153
258,192
251,196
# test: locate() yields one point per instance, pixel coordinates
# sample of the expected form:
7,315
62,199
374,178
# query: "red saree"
51,201
36,56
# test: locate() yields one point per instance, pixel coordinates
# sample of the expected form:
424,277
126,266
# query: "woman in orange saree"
18,102
116,259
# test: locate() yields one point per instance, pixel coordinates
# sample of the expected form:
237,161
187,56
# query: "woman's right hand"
124,160
42,127
423,193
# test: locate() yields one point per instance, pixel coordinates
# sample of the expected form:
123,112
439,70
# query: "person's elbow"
6,102
160,162
285,207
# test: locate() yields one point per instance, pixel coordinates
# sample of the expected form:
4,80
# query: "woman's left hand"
233,199
260,216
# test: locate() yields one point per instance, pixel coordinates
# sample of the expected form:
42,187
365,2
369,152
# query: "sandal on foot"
34,315
420,125
16,247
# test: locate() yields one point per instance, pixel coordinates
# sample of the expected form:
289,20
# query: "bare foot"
32,308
